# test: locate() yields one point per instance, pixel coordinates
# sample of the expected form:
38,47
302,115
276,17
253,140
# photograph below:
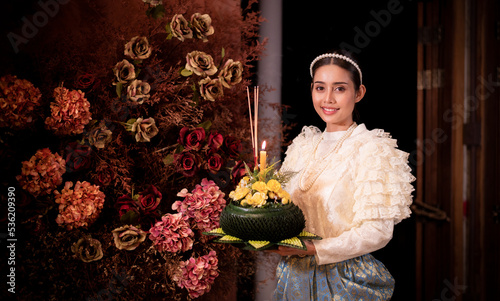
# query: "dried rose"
200,63
187,163
232,146
100,135
105,175
138,91
230,74
191,139
211,89
180,27
138,48
85,81
128,237
78,156
149,199
125,203
214,163
124,71
215,141
87,249
202,26
144,129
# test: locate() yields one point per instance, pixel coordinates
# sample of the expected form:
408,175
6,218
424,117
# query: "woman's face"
334,96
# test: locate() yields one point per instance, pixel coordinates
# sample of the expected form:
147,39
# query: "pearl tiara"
339,56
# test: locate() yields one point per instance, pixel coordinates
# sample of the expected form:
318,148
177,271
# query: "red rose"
191,139
149,199
187,163
78,156
215,141
105,176
126,208
125,200
214,163
238,171
232,146
84,81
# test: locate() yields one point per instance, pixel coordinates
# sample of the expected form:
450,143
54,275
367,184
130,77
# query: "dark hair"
354,73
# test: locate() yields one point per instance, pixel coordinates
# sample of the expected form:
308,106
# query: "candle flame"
264,145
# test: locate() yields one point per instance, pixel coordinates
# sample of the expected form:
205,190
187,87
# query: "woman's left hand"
289,251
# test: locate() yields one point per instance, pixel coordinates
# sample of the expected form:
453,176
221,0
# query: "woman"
353,186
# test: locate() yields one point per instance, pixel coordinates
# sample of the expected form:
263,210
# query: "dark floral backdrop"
124,126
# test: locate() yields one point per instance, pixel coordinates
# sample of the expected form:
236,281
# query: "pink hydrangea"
172,233
70,112
42,173
78,207
197,274
19,100
204,204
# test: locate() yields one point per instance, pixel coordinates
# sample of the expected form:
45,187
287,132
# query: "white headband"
339,56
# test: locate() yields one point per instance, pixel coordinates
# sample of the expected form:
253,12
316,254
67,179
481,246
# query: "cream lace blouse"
356,201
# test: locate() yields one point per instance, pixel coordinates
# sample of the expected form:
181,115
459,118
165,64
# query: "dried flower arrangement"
139,146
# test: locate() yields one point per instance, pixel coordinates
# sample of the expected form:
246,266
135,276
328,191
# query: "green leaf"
206,125
130,218
186,72
196,95
179,149
119,89
223,53
169,159
168,29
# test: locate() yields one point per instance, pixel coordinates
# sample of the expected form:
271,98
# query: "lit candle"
263,157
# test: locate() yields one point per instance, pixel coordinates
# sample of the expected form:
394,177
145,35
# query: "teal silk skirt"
361,278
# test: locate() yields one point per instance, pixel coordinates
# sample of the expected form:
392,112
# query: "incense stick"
251,123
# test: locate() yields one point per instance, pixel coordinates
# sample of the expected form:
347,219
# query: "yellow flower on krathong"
260,187
285,196
244,181
273,185
239,193
258,199
245,201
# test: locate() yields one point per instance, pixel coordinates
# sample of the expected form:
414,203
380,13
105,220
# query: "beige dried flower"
87,249
128,237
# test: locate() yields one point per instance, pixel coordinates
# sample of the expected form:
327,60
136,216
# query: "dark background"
388,62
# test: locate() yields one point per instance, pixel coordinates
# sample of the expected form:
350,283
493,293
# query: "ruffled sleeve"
301,147
383,181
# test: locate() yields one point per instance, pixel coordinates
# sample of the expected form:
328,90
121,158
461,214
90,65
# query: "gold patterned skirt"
361,278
